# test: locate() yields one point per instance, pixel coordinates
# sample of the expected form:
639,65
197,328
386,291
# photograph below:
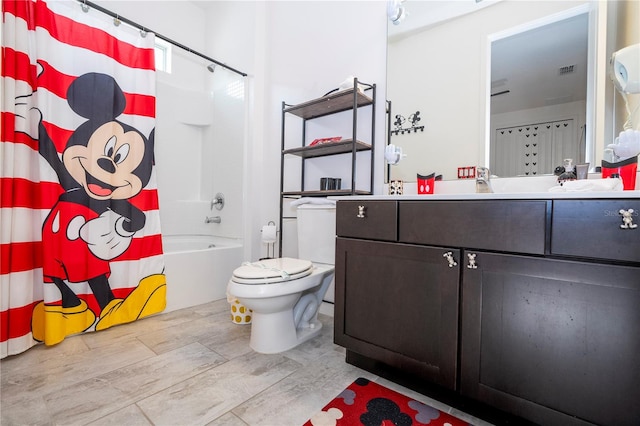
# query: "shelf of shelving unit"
329,104
332,148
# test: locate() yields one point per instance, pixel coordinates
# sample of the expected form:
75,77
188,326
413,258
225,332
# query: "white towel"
590,185
313,200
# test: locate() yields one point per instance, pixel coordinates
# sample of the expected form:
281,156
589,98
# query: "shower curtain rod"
160,36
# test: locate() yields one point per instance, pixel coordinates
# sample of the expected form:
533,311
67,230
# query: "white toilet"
285,293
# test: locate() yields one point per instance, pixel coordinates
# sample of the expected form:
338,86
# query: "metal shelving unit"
351,99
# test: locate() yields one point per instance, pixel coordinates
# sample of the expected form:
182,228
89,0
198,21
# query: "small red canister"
426,183
626,169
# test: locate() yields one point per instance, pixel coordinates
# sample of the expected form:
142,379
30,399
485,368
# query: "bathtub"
198,267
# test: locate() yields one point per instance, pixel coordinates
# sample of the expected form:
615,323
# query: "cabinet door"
398,304
556,342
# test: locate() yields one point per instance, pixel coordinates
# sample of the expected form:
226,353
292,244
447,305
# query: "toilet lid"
273,270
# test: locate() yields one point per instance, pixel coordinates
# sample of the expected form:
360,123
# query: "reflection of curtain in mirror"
80,241
534,149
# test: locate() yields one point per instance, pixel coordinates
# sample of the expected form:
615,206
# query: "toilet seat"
271,271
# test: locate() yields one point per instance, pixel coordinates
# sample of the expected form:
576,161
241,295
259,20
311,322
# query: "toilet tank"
317,233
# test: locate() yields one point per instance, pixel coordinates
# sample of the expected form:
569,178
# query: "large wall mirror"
540,86
545,64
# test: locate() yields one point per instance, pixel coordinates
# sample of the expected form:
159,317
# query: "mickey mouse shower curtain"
80,230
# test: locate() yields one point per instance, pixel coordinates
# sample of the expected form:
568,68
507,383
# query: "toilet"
286,293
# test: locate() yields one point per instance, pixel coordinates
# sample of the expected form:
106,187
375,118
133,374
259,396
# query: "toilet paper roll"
269,234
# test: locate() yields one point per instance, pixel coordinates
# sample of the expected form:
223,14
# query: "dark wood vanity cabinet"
553,341
528,306
399,305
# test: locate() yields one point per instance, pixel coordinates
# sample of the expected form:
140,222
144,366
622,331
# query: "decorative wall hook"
413,119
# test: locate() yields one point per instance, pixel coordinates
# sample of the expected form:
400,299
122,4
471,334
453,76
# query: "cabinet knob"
449,256
627,219
472,261
361,210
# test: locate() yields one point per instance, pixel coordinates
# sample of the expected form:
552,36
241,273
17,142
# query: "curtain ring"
116,21
143,32
84,6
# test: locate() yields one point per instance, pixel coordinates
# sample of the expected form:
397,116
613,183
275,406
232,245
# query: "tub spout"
212,219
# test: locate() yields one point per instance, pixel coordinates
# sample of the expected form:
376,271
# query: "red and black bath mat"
367,403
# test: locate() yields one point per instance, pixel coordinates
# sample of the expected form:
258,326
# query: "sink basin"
527,184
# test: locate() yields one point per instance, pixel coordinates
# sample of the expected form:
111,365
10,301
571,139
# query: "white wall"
182,21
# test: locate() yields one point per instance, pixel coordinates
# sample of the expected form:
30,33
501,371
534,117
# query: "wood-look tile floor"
187,367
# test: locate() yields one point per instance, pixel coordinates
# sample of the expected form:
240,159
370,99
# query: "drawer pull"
449,256
627,219
472,261
360,211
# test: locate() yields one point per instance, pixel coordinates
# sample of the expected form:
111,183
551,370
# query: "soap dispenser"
569,173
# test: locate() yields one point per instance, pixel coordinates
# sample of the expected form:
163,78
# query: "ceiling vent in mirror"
558,100
567,69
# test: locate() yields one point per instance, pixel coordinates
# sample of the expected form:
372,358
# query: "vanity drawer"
510,226
593,228
372,220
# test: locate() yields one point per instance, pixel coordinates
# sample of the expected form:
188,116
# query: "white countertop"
518,188
498,196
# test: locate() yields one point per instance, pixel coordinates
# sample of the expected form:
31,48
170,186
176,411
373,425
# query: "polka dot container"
239,313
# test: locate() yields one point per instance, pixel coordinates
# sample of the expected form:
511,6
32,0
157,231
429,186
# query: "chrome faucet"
218,201
212,219
483,181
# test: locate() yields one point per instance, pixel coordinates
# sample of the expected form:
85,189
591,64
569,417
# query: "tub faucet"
218,201
213,219
483,181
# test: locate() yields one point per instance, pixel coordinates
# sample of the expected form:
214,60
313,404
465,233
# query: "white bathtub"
198,268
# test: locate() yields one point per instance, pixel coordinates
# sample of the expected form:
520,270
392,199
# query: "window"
163,55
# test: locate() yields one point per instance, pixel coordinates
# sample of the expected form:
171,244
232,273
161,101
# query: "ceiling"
420,14
527,65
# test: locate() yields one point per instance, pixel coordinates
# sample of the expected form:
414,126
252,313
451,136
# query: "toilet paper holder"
269,237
